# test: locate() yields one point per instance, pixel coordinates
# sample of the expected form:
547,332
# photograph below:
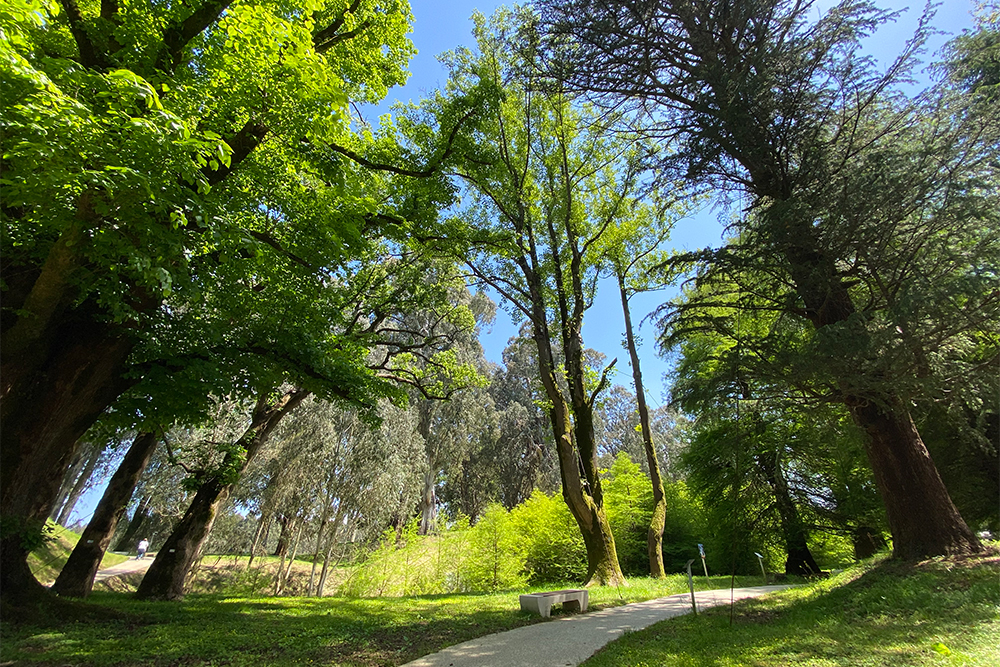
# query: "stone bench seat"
572,599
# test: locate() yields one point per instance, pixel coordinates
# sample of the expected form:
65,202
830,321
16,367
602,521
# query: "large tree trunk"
93,457
654,536
165,578
923,519
44,414
77,576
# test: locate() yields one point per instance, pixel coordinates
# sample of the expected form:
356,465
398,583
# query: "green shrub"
552,540
496,554
628,501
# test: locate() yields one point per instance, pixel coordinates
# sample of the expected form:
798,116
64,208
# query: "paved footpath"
129,566
572,639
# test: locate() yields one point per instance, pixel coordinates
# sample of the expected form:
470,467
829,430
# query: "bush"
496,556
553,544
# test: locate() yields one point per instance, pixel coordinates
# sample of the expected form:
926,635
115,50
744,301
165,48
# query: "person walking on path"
143,545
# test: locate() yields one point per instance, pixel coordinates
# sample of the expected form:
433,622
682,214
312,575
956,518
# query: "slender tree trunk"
799,558
77,576
654,536
69,481
331,543
265,517
93,457
165,577
428,501
128,539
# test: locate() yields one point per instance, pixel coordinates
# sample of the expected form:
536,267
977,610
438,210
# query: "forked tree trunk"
654,535
585,504
922,517
77,576
165,578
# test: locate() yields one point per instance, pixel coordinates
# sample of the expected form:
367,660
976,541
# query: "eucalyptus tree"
874,213
546,184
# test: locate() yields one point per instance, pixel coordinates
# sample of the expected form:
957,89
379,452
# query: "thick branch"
178,35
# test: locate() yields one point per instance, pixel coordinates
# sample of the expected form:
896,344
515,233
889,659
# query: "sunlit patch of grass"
940,612
213,629
46,561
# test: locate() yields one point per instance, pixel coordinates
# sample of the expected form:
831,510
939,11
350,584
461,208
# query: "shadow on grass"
892,614
205,630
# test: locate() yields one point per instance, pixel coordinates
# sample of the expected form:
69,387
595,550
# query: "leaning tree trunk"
654,536
799,558
80,485
77,576
69,481
922,517
128,538
165,578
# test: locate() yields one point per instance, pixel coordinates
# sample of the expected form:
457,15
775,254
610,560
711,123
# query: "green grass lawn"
214,630
941,612
46,561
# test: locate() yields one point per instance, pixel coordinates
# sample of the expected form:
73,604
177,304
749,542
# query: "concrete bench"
573,599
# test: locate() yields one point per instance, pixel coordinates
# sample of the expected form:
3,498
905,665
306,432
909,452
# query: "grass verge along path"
263,631
939,612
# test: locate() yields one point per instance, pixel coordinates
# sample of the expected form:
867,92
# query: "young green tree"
546,184
872,211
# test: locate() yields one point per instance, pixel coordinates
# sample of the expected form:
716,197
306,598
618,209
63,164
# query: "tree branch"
179,34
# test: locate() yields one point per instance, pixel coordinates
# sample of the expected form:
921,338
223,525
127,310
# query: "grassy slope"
46,561
211,629
940,612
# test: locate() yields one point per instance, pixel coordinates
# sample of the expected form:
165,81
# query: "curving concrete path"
572,639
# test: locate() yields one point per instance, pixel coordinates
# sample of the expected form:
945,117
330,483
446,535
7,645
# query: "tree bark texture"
923,519
654,535
166,576
45,412
77,576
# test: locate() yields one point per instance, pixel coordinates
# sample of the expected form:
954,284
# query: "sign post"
701,551
694,607
760,558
